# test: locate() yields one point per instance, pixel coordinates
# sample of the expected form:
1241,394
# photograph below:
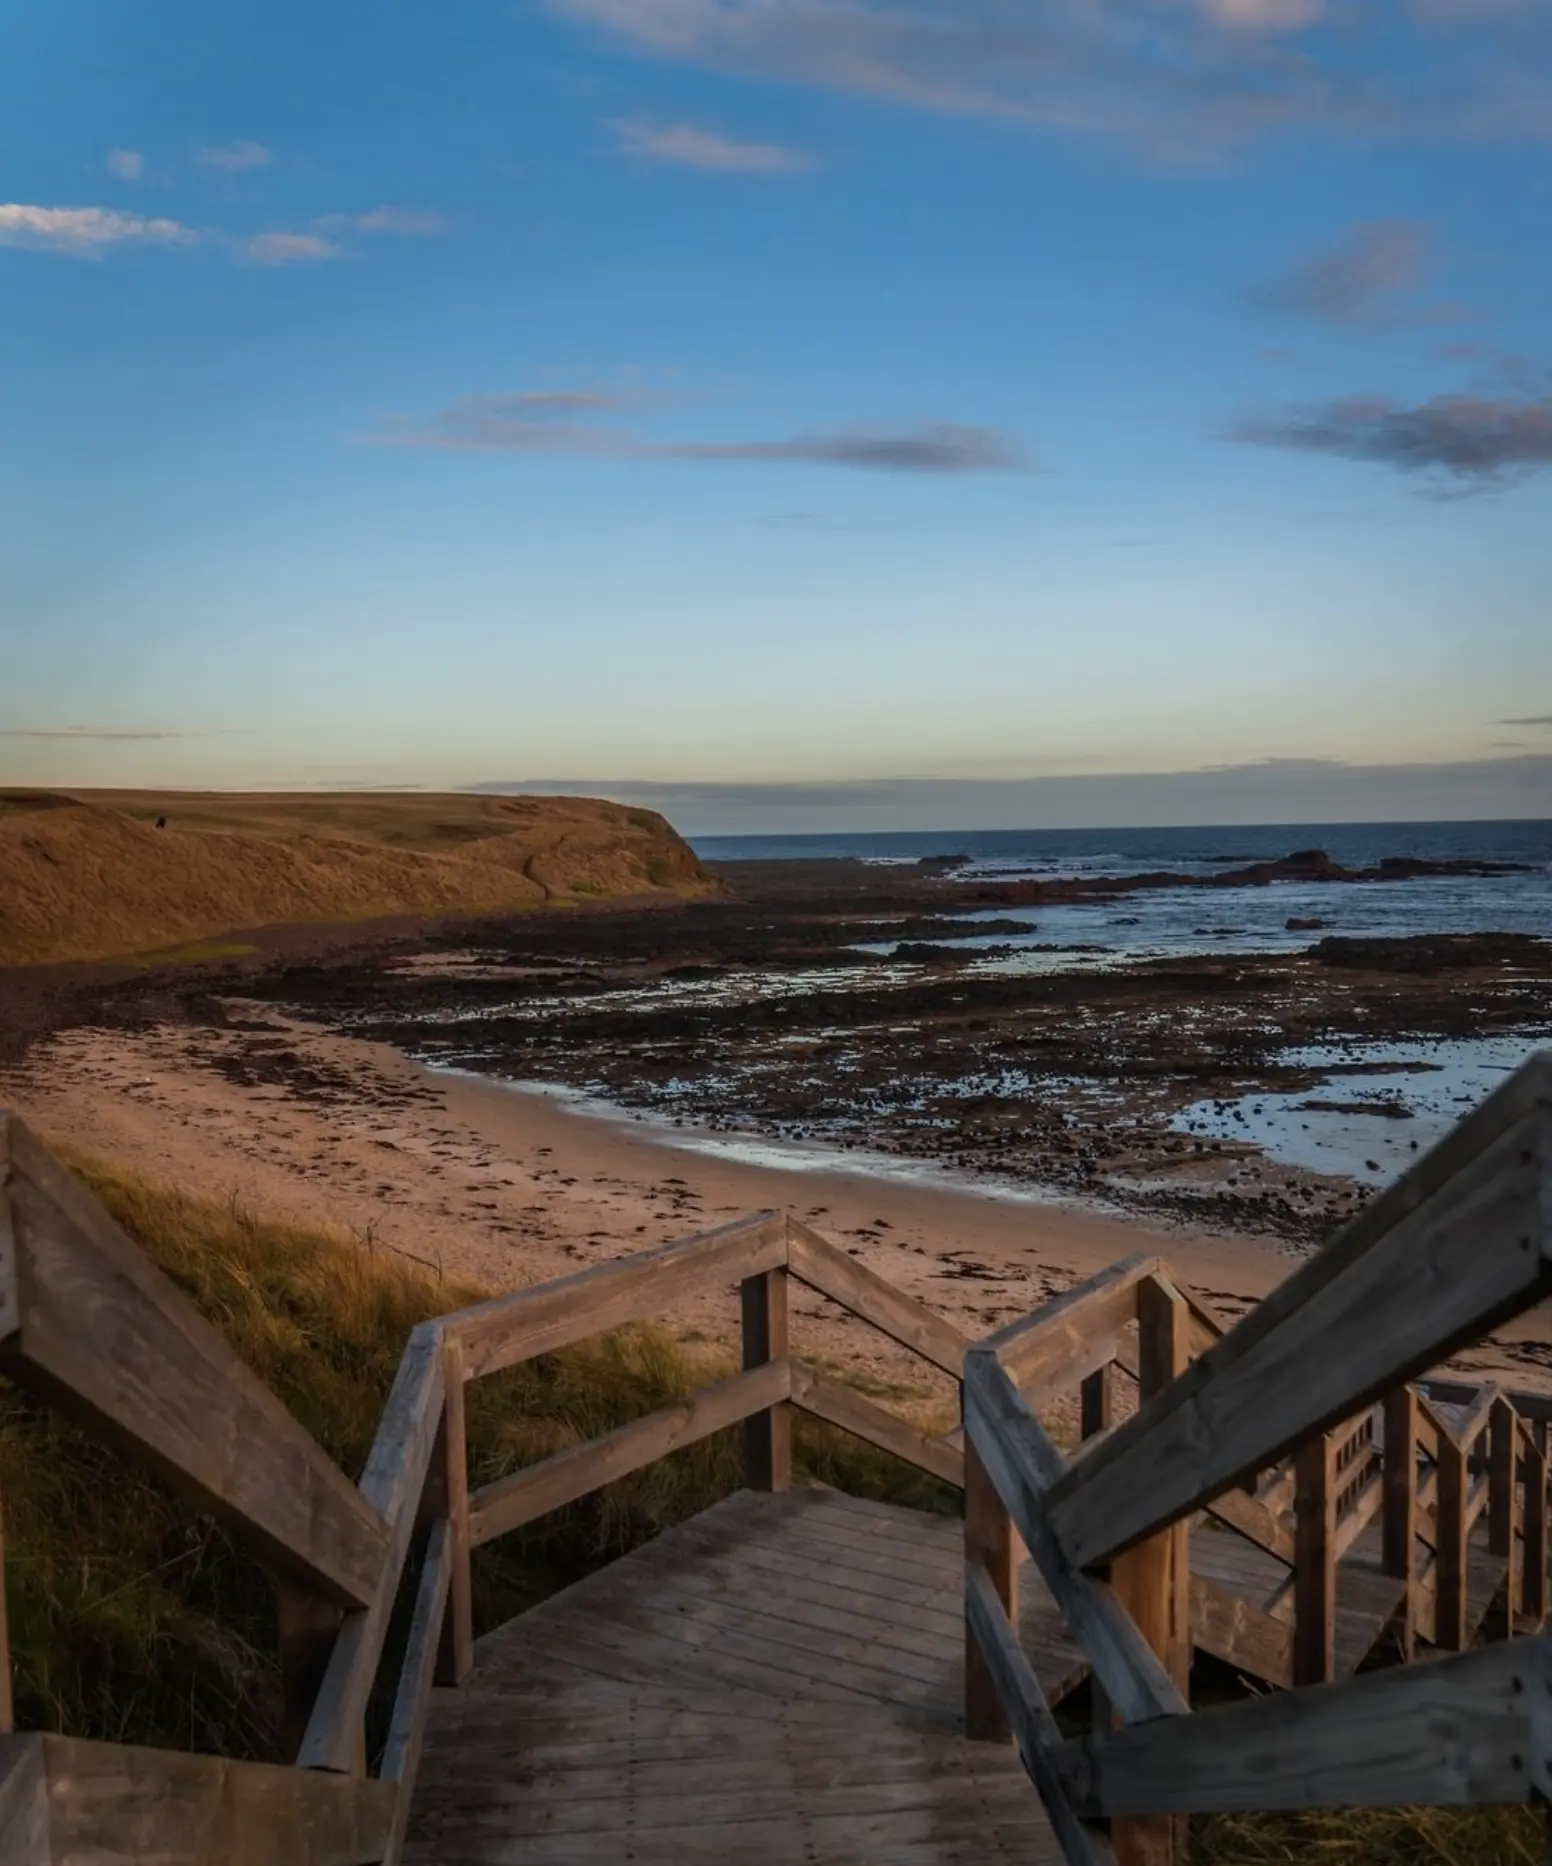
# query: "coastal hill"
92,875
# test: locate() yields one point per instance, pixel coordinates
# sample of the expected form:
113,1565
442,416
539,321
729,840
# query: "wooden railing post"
308,1629
455,1654
1153,1580
1399,1522
1314,1564
1449,1633
1503,1509
989,1544
1534,1596
1096,1401
768,1435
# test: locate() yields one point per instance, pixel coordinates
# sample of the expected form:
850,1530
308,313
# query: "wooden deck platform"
778,1680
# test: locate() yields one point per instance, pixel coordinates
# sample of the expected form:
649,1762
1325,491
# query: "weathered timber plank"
513,1328
1249,1517
114,1805
412,1701
392,1483
110,1339
24,1813
780,1632
1067,1338
1023,1465
1029,1716
509,1502
1537,1406
767,1434
1473,1728
1339,1332
814,1260
1230,1627
841,1405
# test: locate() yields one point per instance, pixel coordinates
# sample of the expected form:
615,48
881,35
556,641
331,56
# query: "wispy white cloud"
412,222
557,422
86,232
689,145
290,249
1371,275
1174,79
125,164
1472,444
236,157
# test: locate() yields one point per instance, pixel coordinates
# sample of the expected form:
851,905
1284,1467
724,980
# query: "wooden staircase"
800,1676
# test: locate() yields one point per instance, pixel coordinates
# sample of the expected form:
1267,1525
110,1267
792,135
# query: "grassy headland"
88,875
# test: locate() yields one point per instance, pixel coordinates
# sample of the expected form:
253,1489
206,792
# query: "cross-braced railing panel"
1296,1430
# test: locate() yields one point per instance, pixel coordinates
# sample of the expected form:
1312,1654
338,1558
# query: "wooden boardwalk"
779,1680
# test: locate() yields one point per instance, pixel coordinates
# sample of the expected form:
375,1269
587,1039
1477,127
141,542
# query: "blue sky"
736,393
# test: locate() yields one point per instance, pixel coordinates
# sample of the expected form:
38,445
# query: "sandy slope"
91,876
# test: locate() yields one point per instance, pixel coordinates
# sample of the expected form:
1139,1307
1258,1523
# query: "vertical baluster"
1534,1596
455,1656
1096,1401
1450,1547
1314,1564
768,1434
1153,1580
989,1544
1399,1529
1503,1510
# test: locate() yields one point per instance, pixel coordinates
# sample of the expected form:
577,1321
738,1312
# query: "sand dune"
88,875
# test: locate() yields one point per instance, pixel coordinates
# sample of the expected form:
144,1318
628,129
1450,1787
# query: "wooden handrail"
843,1406
814,1260
1453,1731
89,1323
67,1799
509,1502
393,1483
509,1329
1024,1466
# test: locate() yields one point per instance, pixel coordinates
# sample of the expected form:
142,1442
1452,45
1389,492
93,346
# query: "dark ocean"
1172,921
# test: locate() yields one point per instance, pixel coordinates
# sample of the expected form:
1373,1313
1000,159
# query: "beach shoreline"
476,1180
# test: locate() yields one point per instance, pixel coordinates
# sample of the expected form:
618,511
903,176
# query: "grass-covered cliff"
89,875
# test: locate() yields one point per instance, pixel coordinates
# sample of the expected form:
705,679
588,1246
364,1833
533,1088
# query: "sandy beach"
475,1180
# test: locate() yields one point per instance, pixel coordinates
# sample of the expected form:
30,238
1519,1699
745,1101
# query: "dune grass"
134,1620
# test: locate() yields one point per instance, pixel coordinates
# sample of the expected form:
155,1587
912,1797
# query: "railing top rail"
557,1314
